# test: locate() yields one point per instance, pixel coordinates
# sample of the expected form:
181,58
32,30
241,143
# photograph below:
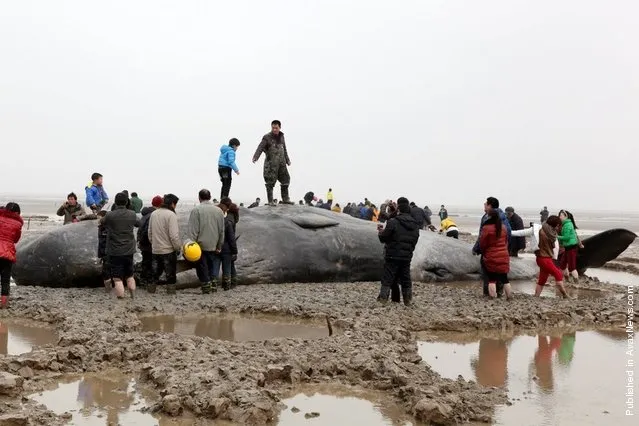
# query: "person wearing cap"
120,245
399,237
491,203
516,244
144,244
164,235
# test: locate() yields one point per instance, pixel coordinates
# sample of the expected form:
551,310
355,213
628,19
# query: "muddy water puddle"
18,337
233,327
334,405
106,399
528,287
575,378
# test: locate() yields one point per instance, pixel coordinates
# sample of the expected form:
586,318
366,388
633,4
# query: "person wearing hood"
515,244
491,203
399,236
10,232
545,254
276,165
418,214
144,244
226,166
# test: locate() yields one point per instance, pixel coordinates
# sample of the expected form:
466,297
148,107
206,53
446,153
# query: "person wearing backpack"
144,244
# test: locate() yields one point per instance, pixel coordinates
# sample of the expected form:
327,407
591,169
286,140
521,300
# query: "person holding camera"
71,209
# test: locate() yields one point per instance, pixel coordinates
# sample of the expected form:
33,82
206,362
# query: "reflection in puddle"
97,400
236,328
21,337
557,380
341,406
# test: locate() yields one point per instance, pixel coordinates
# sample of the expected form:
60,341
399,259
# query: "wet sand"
373,347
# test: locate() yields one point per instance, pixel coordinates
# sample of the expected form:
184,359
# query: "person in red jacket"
493,244
10,233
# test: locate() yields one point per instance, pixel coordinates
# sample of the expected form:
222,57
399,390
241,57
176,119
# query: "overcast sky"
534,102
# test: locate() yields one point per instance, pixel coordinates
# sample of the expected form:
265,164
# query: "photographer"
71,210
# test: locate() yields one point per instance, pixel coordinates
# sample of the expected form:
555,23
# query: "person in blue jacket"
226,166
97,197
491,204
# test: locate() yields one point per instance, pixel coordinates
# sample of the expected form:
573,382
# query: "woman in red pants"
545,256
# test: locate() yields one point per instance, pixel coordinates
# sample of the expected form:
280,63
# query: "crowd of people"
212,244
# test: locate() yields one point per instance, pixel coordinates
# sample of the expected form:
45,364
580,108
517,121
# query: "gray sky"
535,102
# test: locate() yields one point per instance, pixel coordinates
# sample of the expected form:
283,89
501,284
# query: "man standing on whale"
273,146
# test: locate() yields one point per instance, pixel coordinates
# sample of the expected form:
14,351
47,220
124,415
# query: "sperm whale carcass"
289,244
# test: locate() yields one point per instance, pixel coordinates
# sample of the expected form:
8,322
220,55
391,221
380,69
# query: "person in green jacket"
136,202
569,240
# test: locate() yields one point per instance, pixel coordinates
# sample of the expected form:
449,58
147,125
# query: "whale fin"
313,221
603,247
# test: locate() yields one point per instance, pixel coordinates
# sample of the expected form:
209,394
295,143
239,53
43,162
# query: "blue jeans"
208,267
228,266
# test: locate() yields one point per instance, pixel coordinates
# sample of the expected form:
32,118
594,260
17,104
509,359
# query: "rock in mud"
10,384
26,372
14,420
432,412
171,405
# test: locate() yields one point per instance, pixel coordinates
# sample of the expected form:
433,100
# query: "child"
226,164
96,195
10,233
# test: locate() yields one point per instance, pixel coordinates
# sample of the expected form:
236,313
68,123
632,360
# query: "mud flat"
373,348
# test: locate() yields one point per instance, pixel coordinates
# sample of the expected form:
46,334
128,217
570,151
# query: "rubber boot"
226,283
4,302
269,195
384,292
206,288
285,198
234,282
407,295
214,285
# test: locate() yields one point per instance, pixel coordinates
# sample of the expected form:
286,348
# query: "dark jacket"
253,205
119,225
230,244
419,216
516,243
275,149
400,237
143,242
10,233
308,197
495,249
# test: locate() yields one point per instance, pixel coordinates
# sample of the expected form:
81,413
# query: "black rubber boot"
407,295
269,195
206,288
285,197
384,293
214,285
226,283
233,282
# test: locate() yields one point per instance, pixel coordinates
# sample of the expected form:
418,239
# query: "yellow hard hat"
192,251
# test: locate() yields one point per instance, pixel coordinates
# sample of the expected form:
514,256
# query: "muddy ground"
373,347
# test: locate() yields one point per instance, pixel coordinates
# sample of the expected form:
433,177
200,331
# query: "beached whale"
283,244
